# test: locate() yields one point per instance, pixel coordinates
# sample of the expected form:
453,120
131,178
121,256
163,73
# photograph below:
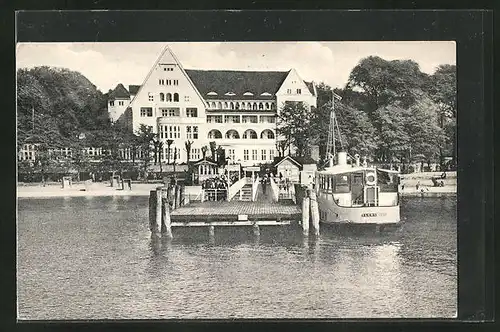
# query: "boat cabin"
359,186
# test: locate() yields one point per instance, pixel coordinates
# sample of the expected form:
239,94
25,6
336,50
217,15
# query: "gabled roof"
238,82
205,160
119,93
299,161
310,86
133,89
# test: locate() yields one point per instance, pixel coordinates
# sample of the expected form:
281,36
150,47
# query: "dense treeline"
61,102
390,112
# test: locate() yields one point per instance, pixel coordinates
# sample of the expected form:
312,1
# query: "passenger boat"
352,193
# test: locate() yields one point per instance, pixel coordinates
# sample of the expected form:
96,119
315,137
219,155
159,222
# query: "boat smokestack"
342,158
330,161
356,156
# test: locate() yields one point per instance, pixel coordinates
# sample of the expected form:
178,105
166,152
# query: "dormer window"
230,94
265,94
211,93
248,93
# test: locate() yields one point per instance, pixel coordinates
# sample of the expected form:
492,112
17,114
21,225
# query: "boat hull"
331,213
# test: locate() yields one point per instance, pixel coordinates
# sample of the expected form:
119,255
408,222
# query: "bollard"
256,229
166,226
314,212
305,215
153,208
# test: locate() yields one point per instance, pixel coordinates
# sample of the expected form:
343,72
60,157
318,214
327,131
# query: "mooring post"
305,214
211,231
256,229
177,196
154,225
314,212
158,210
166,225
171,195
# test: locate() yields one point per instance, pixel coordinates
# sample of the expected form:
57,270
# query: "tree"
145,138
169,144
221,156
442,89
294,121
213,149
188,144
386,82
204,150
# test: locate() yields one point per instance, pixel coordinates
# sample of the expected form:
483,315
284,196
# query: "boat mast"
330,144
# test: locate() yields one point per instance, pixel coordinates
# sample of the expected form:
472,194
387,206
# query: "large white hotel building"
236,109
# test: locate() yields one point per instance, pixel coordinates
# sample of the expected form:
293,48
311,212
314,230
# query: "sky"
107,64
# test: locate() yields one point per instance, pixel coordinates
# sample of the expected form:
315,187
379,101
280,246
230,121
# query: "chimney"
342,158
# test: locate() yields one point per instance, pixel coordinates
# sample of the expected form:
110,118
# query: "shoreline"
143,189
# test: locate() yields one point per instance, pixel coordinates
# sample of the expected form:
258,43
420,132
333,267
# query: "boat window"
388,182
341,183
357,178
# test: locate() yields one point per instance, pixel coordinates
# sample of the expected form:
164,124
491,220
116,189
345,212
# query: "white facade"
117,107
243,123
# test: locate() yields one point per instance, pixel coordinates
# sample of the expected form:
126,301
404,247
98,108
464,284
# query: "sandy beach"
80,189
407,188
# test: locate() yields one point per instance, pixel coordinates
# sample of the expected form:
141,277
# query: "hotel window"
289,91
231,153
111,103
173,132
261,106
299,91
245,155
249,119
192,132
170,112
192,112
263,154
162,96
232,119
254,154
267,119
169,82
176,97
146,111
169,97
121,103
161,82
187,98
271,155
176,82
214,118
150,97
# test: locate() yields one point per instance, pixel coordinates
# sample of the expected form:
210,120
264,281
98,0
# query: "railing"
235,187
287,191
275,190
255,185
215,194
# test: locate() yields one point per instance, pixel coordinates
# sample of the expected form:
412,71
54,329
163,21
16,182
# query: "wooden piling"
314,212
166,225
171,196
158,210
177,196
211,231
153,208
305,214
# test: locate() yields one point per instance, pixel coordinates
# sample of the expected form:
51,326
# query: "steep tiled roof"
119,93
133,89
237,82
310,86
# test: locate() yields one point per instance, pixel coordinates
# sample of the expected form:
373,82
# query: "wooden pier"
167,211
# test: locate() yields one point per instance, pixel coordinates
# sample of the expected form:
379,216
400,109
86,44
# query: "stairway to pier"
245,193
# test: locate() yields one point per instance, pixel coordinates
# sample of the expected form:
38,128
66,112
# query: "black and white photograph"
236,180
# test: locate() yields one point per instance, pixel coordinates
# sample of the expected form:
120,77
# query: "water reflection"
83,262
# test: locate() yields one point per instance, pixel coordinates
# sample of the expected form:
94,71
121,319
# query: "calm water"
93,258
